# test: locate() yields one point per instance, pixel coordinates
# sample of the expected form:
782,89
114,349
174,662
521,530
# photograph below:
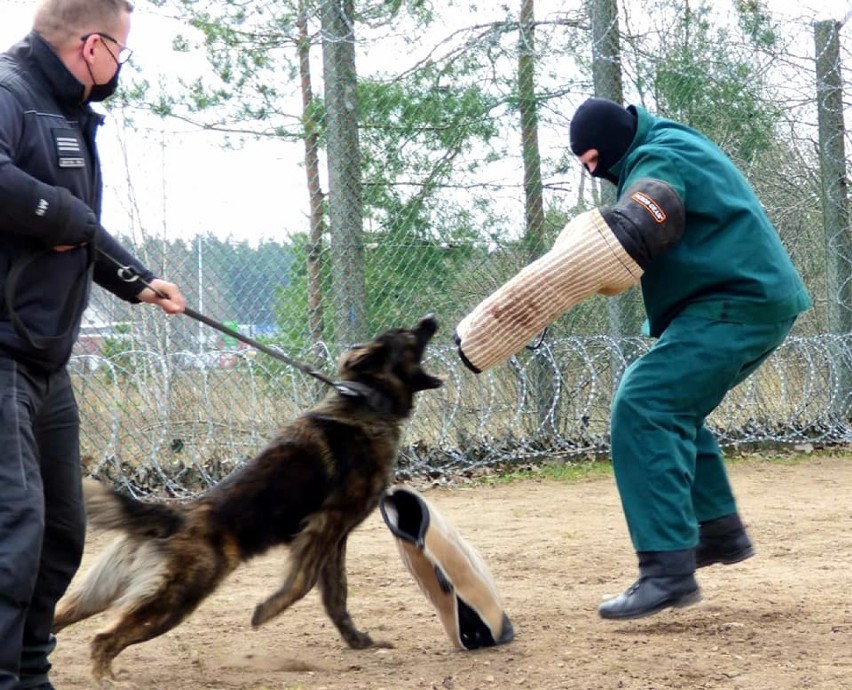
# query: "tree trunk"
317,220
835,199
344,172
541,374
623,310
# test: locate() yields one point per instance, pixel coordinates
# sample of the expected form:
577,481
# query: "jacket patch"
650,205
69,148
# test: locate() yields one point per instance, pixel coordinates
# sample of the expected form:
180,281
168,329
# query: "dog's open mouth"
425,330
392,363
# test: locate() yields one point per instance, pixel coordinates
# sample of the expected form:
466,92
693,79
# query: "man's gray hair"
61,20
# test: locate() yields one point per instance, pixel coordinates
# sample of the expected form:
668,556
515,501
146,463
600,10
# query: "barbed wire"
176,424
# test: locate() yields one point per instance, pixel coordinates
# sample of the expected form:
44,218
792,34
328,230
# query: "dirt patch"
780,621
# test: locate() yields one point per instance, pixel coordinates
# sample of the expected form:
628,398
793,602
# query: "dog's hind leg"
332,583
138,624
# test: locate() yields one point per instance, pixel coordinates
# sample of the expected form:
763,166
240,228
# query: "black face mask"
100,92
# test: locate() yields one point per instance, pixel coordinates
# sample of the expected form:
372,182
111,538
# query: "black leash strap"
129,274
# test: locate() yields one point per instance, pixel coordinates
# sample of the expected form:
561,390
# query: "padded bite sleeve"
586,258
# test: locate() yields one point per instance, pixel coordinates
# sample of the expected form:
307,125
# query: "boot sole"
730,560
681,602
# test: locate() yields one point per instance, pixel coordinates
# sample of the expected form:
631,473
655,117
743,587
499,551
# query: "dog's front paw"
105,680
262,613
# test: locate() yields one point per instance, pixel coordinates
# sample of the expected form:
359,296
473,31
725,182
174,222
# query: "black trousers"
42,517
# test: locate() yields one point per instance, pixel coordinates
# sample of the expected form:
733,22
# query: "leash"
130,274
537,346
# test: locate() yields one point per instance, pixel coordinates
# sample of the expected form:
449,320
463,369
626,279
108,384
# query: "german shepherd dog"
316,481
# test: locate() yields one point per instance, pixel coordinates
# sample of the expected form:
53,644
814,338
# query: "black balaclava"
602,124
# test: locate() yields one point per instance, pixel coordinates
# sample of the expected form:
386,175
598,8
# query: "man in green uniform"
720,294
719,301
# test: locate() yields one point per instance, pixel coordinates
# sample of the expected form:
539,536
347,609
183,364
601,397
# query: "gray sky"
245,193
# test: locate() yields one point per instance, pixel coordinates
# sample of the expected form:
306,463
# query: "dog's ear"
367,357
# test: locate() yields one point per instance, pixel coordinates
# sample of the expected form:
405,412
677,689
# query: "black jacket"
50,194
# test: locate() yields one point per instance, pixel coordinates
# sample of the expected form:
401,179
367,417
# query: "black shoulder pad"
647,219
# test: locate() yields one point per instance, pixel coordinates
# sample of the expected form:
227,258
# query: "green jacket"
729,265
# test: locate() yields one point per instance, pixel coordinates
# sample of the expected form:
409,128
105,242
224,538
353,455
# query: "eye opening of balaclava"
607,126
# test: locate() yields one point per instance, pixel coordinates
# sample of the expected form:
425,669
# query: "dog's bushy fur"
316,481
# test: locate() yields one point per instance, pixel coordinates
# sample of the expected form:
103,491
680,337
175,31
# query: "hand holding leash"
164,294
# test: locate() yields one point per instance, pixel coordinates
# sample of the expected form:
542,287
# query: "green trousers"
668,467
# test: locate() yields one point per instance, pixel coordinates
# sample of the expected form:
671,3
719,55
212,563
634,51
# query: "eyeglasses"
124,52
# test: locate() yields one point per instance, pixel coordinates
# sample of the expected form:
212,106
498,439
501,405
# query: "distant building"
96,329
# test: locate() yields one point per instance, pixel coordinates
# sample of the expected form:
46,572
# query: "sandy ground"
780,621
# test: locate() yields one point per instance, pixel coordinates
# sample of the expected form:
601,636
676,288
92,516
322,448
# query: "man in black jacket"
52,247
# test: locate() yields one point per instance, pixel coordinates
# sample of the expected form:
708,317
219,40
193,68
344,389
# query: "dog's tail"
107,509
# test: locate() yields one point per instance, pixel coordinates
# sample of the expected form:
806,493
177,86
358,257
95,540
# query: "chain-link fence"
432,148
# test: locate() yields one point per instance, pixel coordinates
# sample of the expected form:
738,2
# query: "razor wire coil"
177,424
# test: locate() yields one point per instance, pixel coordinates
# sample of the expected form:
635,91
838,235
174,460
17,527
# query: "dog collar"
374,398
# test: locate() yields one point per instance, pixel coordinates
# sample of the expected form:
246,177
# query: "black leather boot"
723,540
666,580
